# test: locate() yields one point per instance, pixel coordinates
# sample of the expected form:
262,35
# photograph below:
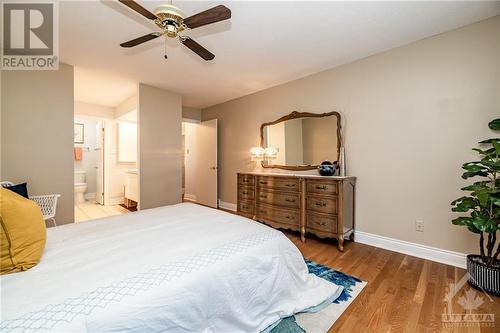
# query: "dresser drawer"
320,222
246,207
322,204
291,200
246,192
273,214
244,179
278,183
322,187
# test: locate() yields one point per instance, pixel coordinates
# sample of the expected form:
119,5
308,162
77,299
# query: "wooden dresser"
319,205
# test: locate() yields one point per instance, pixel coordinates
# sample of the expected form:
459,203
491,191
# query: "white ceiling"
102,87
263,45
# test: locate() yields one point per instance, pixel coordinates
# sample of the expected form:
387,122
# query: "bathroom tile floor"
90,211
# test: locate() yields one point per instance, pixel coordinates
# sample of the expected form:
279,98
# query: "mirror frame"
295,115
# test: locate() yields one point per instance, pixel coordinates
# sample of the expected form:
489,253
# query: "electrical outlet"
419,225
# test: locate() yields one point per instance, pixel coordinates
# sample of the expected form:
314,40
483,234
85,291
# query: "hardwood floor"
404,293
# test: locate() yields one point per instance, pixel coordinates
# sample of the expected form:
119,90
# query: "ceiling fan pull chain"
165,53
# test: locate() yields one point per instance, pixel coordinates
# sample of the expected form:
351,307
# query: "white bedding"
181,268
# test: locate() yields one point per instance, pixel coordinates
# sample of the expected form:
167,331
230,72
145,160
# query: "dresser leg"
341,243
302,235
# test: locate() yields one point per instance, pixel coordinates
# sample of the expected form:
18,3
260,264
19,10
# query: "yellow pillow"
23,233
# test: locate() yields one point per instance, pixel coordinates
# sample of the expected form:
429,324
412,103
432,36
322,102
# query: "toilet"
80,186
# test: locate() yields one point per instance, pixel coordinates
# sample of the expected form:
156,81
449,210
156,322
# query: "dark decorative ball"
326,170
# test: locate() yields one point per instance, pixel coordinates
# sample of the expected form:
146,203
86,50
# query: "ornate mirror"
301,140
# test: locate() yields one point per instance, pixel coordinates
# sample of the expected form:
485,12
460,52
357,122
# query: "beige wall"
411,116
160,147
94,110
319,136
127,106
191,113
37,133
275,138
293,142
190,160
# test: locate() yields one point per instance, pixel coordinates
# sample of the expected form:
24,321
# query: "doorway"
200,168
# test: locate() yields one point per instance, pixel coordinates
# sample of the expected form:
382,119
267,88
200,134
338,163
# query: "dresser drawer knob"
288,217
244,206
245,192
263,196
323,223
290,200
262,183
263,212
322,187
320,204
290,185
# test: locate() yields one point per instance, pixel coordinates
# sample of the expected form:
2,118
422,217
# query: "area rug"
321,321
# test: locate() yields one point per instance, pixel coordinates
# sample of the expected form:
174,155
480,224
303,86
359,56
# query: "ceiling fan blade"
212,15
197,48
141,39
138,8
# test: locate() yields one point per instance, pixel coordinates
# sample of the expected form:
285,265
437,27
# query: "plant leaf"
462,220
496,145
494,124
489,140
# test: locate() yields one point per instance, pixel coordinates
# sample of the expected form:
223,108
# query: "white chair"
47,203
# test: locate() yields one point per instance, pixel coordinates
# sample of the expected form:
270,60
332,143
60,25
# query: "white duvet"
182,268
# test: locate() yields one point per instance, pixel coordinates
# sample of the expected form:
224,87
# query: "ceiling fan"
171,20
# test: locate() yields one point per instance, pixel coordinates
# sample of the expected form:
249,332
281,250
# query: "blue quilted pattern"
67,311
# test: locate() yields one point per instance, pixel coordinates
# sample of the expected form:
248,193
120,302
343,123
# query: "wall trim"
190,197
227,205
417,250
90,196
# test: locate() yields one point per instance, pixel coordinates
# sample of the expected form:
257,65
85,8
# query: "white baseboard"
90,196
227,205
421,251
190,197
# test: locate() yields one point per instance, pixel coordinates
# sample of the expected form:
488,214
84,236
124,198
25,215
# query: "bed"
180,268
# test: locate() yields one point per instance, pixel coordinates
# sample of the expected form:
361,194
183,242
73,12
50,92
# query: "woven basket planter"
483,277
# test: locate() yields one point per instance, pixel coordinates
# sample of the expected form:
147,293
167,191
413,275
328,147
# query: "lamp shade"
257,152
271,152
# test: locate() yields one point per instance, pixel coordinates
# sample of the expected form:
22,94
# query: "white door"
206,166
99,195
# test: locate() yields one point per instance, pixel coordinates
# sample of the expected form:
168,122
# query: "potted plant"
482,206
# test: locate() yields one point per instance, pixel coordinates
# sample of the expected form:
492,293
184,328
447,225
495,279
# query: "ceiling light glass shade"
257,152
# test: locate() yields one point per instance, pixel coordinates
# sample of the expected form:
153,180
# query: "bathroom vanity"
131,188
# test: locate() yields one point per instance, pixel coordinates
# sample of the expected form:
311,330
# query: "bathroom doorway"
89,160
104,166
105,144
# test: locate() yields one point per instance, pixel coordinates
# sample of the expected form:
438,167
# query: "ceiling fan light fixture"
171,20
169,11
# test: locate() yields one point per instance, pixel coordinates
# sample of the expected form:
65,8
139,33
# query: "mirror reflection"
304,141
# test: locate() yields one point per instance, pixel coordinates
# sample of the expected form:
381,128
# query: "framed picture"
79,133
